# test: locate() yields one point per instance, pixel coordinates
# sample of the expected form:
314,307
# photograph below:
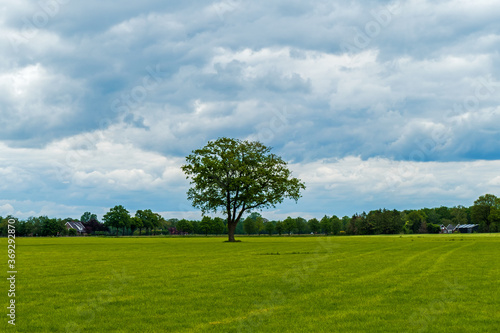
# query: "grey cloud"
402,81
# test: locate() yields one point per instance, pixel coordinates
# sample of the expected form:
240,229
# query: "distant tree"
459,215
289,225
238,176
351,226
326,225
433,217
23,228
239,229
185,226
494,217
345,222
165,224
52,227
146,217
415,221
249,225
301,225
259,224
195,227
218,226
150,220
480,212
397,222
444,212
206,225
255,215
363,226
117,217
87,216
4,227
433,228
172,222
36,223
494,220
376,219
279,227
423,228
72,232
269,227
359,225
254,226
314,225
160,223
136,223
92,226
446,222
336,224
386,221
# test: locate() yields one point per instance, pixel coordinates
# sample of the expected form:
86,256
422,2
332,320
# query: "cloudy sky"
374,104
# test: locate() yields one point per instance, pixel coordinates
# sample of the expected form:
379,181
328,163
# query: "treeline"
36,226
485,212
118,221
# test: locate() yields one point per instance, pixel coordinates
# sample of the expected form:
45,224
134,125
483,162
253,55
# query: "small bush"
72,232
433,228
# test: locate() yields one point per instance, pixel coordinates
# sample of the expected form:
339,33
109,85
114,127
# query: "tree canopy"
237,176
87,216
117,217
480,212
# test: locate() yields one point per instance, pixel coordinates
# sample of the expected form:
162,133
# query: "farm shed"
467,228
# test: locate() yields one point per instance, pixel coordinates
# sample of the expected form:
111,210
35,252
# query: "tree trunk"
231,227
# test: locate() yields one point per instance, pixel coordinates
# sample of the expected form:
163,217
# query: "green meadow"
431,283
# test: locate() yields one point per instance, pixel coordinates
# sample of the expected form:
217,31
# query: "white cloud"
495,181
6,209
23,209
98,158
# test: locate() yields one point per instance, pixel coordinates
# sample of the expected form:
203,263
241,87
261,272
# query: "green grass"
441,283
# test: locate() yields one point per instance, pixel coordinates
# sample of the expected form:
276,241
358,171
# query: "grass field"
438,283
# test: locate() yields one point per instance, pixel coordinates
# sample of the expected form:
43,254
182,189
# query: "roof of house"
76,225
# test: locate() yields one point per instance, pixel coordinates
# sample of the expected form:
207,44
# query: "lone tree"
237,176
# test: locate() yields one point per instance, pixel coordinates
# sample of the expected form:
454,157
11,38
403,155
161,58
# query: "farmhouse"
78,226
449,229
174,231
